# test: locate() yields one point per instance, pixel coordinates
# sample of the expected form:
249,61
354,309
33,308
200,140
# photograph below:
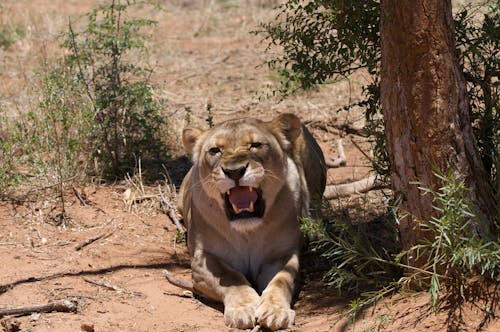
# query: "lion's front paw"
274,316
241,317
239,309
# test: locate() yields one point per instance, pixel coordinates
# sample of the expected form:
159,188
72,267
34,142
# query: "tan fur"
250,265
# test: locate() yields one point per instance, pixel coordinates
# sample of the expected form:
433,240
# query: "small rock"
87,327
35,316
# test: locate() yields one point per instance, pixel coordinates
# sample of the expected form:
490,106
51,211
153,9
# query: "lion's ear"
189,137
289,124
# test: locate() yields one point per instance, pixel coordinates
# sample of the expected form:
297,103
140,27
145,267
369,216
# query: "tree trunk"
426,111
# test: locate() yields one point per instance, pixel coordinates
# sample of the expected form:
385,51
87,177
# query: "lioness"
249,183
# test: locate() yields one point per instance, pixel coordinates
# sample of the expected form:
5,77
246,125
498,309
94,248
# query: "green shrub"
366,259
7,155
478,46
454,251
128,124
9,34
97,112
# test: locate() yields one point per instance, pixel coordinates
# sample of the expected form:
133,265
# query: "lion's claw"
274,317
241,317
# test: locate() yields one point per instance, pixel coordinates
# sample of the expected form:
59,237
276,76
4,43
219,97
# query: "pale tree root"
357,187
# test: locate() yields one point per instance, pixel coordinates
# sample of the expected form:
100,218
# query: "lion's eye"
255,145
214,150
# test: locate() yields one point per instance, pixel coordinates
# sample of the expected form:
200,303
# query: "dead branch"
49,186
171,211
341,160
347,189
346,128
61,306
80,197
10,244
92,240
111,286
206,18
178,282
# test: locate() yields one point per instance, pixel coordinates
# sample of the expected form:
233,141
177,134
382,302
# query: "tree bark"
426,111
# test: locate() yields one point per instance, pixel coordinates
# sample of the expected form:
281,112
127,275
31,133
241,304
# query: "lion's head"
243,164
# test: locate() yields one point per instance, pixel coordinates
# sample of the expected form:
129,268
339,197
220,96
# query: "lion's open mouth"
244,202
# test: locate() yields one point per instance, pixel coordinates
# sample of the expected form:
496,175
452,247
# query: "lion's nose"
235,173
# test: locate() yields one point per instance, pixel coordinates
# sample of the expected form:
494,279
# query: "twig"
340,127
92,240
178,282
109,285
80,69
61,306
139,199
205,20
52,185
361,150
171,211
79,196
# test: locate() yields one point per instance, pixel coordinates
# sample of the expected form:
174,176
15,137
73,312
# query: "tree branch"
61,306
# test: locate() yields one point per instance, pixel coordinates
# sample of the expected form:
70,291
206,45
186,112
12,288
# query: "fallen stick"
61,306
79,196
92,240
340,127
169,208
178,282
109,285
10,244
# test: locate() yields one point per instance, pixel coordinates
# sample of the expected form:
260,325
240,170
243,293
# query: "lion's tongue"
242,198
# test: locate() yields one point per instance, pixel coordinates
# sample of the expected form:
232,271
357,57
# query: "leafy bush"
366,259
478,46
127,120
96,107
324,40
454,251
7,155
358,255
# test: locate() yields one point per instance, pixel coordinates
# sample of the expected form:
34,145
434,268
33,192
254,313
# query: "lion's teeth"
250,189
235,209
228,192
250,208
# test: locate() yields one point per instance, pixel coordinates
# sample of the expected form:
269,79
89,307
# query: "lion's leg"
219,281
274,310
